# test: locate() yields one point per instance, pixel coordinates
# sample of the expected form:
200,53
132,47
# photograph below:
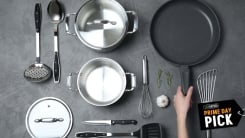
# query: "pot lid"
49,117
101,23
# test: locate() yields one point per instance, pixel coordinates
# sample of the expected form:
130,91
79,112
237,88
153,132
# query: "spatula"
153,130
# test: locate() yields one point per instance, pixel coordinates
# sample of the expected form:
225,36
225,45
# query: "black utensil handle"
124,122
38,16
185,78
56,68
103,134
90,134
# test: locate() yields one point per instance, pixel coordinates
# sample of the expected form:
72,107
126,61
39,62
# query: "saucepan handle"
185,78
135,21
132,80
67,25
70,81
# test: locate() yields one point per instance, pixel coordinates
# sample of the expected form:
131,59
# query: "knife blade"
110,122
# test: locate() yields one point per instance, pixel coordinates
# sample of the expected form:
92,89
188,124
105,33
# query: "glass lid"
49,117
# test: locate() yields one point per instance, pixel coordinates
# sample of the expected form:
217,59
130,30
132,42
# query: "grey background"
17,52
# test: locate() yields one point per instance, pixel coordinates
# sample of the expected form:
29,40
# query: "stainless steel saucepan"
102,81
102,24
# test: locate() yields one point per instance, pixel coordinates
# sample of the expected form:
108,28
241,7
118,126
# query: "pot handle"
135,19
67,25
133,82
70,79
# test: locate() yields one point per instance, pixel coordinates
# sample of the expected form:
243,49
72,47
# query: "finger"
179,91
189,93
179,88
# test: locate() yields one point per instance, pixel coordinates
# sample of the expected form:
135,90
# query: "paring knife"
110,122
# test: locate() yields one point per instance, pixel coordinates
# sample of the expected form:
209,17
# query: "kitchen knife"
110,122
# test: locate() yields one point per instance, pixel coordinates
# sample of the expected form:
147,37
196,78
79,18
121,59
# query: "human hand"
182,103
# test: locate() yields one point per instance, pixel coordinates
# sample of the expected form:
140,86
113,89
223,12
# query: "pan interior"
185,32
102,83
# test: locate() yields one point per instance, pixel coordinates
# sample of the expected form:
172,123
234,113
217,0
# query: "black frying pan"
186,33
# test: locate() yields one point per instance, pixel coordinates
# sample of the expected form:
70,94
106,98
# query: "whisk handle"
145,70
185,78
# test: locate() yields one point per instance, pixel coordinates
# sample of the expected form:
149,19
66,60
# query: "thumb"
189,93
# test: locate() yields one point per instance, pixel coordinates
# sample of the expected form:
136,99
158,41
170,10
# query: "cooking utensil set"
186,39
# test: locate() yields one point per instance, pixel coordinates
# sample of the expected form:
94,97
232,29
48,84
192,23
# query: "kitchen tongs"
153,130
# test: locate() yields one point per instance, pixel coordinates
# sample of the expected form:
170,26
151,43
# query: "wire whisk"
145,105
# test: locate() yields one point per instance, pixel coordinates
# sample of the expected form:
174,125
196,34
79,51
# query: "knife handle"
124,122
90,134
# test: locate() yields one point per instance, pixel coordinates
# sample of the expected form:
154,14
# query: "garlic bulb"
162,101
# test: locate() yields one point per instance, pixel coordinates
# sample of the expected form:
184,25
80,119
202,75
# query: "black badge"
219,114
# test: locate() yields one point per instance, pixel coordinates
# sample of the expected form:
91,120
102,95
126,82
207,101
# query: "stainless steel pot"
102,81
102,24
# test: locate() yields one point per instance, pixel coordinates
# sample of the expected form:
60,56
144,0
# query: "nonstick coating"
185,32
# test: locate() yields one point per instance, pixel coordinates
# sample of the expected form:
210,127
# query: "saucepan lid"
49,117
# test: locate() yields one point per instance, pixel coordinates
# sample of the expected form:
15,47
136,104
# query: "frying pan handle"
185,78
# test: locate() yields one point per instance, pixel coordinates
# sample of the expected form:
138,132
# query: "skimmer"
37,72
